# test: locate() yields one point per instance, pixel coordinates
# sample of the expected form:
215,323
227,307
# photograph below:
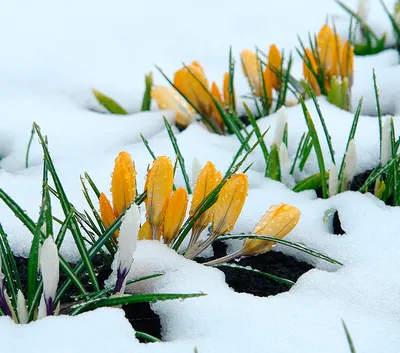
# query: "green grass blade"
257,131
351,137
322,120
66,206
258,272
378,172
313,182
349,340
290,244
239,152
92,184
146,102
29,148
11,277
178,153
109,104
129,299
146,337
273,169
299,148
317,147
146,143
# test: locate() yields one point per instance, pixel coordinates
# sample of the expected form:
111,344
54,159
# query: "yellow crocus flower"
175,215
277,222
159,187
123,183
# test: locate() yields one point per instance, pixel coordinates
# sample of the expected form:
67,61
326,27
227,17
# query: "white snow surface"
53,53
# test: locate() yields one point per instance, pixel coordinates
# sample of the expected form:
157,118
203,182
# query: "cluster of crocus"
166,209
192,83
263,80
277,222
328,60
123,190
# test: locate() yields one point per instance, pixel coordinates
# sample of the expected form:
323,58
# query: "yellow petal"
175,214
229,204
308,75
215,114
107,213
277,222
326,43
159,187
268,76
145,232
169,98
252,70
192,89
275,63
123,183
205,183
227,97
347,61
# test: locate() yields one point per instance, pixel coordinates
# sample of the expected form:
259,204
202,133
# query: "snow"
53,54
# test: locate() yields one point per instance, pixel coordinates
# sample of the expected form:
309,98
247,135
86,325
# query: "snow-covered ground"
53,53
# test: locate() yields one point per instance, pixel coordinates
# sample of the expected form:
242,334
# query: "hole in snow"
273,262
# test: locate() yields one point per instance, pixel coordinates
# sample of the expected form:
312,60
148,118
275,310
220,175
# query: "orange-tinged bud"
274,64
107,213
229,204
216,115
192,89
159,188
145,232
268,77
277,222
216,93
123,183
205,183
168,98
227,97
308,74
175,214
252,70
347,61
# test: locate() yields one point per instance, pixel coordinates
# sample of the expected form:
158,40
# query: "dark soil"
274,263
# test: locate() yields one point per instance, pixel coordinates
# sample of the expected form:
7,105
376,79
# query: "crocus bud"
123,183
280,124
333,181
277,222
350,165
126,245
175,214
252,70
159,187
21,308
49,267
386,152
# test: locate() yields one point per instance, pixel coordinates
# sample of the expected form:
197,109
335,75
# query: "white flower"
350,165
280,125
49,267
333,180
127,241
386,152
21,308
363,9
